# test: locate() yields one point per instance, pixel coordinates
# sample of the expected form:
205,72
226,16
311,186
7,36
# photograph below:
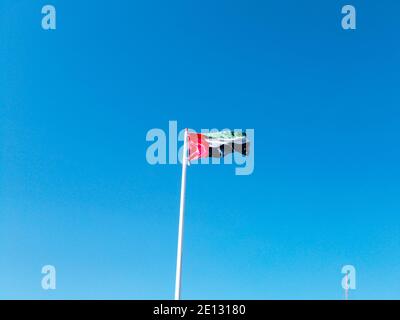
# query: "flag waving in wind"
217,144
204,145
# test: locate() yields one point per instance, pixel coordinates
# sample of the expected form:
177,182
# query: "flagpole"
181,221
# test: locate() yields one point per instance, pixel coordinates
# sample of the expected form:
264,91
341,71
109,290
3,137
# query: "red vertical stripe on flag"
198,146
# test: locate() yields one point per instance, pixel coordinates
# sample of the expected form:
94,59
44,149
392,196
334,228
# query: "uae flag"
217,144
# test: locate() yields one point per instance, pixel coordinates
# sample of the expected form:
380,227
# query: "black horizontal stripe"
225,149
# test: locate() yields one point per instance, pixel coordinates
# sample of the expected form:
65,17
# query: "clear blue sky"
76,191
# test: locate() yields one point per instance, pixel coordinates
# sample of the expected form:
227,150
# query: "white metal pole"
181,220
